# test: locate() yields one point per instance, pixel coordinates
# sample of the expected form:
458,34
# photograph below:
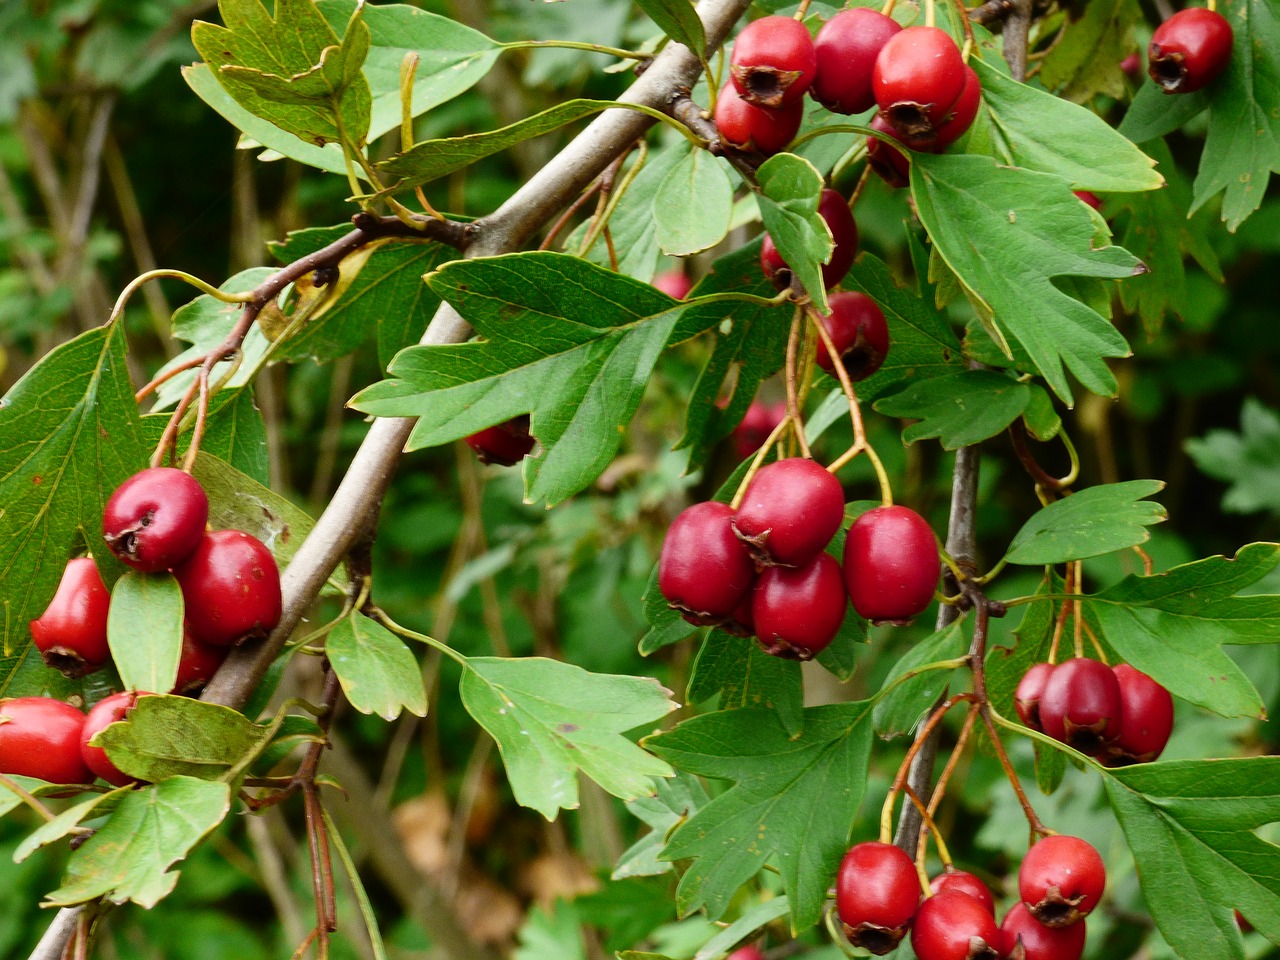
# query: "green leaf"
1005,666
790,189
1006,233
367,913
899,711
959,409
552,719
130,856
743,675
1247,461
792,802
238,502
1154,113
1095,521
379,674
1086,61
666,626
234,432
751,920
144,630
679,21
675,799
693,205
64,823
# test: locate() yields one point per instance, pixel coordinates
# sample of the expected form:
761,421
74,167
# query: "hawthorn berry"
1189,50
1088,197
954,926
964,882
891,564
71,634
40,737
834,209
846,49
101,715
1061,880
757,423
505,444
155,519
796,612
1080,705
859,333
1026,697
1023,937
789,512
1132,66
197,664
877,893
751,951
753,128
704,570
918,76
773,62
1146,717
674,283
231,587
890,163
960,116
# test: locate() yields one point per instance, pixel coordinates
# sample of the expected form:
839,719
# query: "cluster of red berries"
1189,50
878,900
1117,714
48,739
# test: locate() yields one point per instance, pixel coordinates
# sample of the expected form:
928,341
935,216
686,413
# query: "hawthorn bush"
455,233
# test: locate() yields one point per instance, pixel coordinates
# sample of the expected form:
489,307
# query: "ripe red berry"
890,163
1023,937
1080,705
753,128
796,612
1189,50
789,512
674,283
197,664
1132,66
104,713
704,571
918,76
155,519
846,48
877,893
773,62
834,209
962,113
1092,199
891,564
505,444
756,425
1030,689
1146,717
40,737
859,333
71,634
954,926
1061,880
961,881
751,951
231,586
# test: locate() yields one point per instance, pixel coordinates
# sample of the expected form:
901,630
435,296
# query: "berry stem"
927,815
381,616
1093,639
930,13
609,197
1061,620
569,213
208,289
1077,609
962,14
758,460
887,9
793,404
576,45
940,789
862,182
886,812
408,68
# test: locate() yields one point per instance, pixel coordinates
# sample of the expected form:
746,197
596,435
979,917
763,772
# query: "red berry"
704,571
877,892
1132,66
751,951
40,737
789,512
954,926
891,564
797,612
753,128
1189,50
155,519
773,62
834,209
1080,705
1146,717
674,283
918,76
105,712
71,634
962,113
756,425
1092,199
1061,880
961,881
1023,937
505,444
231,587
890,163
197,664
846,48
859,333
1030,689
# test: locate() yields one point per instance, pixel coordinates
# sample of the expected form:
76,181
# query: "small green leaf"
144,630
743,675
959,409
678,20
1247,461
1094,521
899,711
675,799
1086,60
64,823
378,672
1154,113
693,205
666,626
790,189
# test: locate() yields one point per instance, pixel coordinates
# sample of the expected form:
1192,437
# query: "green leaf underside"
675,799
693,205
678,20
1087,60
790,188
234,432
379,674
743,675
899,711
1095,521
144,629
552,719
64,823
238,502
959,409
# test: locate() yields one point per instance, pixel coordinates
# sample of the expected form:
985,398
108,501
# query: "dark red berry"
877,892
834,209
704,571
1132,66
962,113
751,951
753,128
197,664
1146,717
859,333
1189,50
891,564
918,76
1061,880
231,586
1080,705
1023,937
155,519
71,634
1092,199
1027,697
846,48
789,512
505,444
961,881
105,712
773,62
796,612
954,926
40,737
759,421
674,283
741,623
890,163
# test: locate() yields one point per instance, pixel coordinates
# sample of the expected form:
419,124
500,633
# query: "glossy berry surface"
757,423
674,283
877,893
1023,937
101,715
891,564
197,664
754,128
1026,697
889,163
155,519
40,737
1087,197
918,76
504,444
231,587
1189,50
789,512
963,112
859,333
954,926
704,571
71,634
834,209
846,48
1061,880
1146,717
962,881
751,951
773,62
796,611
1080,705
